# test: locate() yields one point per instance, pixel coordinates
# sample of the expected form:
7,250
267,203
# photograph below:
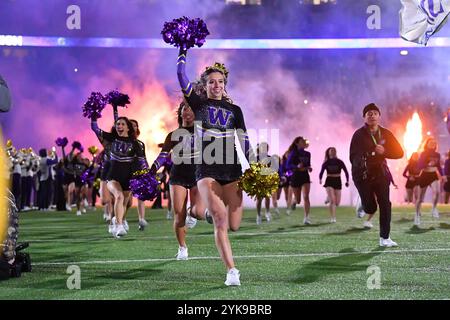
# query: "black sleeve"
343,167
392,148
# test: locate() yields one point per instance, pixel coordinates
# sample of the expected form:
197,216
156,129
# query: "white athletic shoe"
119,231
359,208
233,277
142,224
367,224
182,253
105,217
83,210
417,220
387,243
288,212
333,220
68,207
125,225
258,220
190,221
435,213
277,212
169,215
268,217
306,221
78,213
111,228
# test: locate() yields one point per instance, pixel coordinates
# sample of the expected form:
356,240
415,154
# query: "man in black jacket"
370,147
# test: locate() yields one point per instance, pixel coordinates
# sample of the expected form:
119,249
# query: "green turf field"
280,260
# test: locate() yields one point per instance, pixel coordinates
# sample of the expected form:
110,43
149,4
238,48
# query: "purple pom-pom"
185,33
77,145
144,186
117,98
61,142
93,107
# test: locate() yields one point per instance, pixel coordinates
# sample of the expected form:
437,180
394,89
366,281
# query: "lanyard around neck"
373,137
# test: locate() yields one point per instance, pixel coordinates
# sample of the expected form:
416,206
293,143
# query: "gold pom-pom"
259,181
140,172
93,150
96,184
9,143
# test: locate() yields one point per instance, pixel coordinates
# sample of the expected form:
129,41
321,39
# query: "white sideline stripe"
243,257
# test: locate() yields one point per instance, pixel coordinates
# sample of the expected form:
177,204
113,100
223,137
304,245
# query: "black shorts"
427,178
299,178
68,179
410,184
447,185
183,175
121,172
222,173
333,182
105,170
78,182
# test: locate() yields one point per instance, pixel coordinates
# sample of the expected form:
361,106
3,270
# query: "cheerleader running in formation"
299,161
182,176
430,175
333,183
218,173
411,173
141,204
125,150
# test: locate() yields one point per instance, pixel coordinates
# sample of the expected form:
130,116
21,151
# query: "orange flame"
413,135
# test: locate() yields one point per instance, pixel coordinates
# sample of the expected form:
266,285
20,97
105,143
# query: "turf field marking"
406,251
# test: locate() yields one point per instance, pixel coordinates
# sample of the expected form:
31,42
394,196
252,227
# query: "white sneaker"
83,210
105,217
333,220
68,208
113,220
277,212
111,228
288,212
367,224
142,224
169,215
182,253
435,213
359,208
268,216
190,221
119,231
233,277
387,243
78,213
86,204
258,220
306,221
417,220
125,225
